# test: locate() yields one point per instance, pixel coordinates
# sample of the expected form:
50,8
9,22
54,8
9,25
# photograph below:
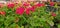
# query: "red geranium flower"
32,9
16,3
1,5
26,4
34,6
27,11
40,4
51,3
10,5
2,12
20,10
53,14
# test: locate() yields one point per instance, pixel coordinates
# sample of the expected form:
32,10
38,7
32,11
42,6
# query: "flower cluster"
28,8
28,15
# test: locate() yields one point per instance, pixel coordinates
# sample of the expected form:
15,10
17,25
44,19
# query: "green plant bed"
19,15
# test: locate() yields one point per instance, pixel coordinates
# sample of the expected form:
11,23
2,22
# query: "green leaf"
42,19
51,23
35,16
1,19
7,22
35,13
14,25
10,18
58,25
22,26
56,5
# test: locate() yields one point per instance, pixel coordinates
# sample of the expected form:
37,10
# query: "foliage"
28,15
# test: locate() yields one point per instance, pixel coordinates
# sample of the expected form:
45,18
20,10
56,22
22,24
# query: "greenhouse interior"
29,13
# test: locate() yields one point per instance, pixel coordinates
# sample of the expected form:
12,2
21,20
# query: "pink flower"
53,14
27,11
16,3
34,6
32,9
11,5
2,13
51,3
1,5
20,10
40,4
26,4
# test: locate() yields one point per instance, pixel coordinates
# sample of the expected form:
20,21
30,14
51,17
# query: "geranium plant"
29,15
